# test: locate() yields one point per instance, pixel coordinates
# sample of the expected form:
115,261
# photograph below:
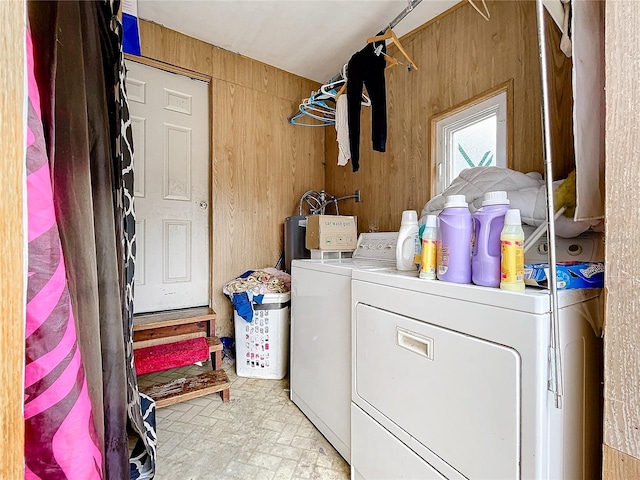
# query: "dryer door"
457,395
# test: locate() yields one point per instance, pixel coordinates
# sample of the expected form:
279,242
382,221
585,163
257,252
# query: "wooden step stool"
172,326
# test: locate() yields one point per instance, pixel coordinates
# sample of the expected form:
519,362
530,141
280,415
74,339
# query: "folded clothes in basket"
243,304
250,287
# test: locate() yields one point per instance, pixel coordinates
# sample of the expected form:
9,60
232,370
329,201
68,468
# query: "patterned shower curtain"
79,72
140,407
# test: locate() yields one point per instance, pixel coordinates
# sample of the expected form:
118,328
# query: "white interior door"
170,123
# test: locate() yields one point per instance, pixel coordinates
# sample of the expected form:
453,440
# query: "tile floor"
258,434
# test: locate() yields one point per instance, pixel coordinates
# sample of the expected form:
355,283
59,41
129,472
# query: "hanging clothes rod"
402,14
326,117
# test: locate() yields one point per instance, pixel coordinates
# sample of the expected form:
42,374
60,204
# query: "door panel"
176,246
140,276
457,395
170,122
177,163
138,130
378,455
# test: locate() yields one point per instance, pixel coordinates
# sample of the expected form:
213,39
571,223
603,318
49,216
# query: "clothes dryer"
450,381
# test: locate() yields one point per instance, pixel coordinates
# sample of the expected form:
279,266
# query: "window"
473,134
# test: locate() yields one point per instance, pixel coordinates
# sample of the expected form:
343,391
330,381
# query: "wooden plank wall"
622,246
261,164
459,55
12,281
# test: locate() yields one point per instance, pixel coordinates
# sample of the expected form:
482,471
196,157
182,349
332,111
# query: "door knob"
203,205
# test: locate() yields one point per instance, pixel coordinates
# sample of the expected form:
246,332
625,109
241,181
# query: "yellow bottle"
428,254
512,252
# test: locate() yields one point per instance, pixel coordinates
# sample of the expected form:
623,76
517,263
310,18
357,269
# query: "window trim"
507,88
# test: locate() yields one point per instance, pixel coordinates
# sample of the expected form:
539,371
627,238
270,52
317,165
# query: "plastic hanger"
338,81
322,121
314,107
317,104
329,88
318,111
390,35
366,101
486,15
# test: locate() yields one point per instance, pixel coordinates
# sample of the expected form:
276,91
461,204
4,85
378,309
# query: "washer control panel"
588,247
377,245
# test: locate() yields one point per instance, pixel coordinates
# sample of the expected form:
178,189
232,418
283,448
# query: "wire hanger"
390,34
486,15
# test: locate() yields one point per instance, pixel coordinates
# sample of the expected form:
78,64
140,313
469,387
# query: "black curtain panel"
78,62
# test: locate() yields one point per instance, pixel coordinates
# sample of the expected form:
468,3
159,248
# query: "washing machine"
451,381
320,368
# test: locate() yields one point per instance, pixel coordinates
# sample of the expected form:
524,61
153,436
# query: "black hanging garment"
365,67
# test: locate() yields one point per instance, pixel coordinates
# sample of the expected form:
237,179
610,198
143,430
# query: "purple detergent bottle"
487,223
455,228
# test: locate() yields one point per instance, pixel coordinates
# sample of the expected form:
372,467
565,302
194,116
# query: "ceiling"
311,38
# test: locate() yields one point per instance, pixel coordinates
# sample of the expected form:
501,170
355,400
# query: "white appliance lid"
533,300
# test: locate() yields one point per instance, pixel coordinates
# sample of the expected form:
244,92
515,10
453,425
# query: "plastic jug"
487,224
455,229
408,244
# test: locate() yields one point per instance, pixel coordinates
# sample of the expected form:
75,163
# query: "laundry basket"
262,345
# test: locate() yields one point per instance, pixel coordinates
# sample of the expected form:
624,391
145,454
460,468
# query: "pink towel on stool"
171,355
